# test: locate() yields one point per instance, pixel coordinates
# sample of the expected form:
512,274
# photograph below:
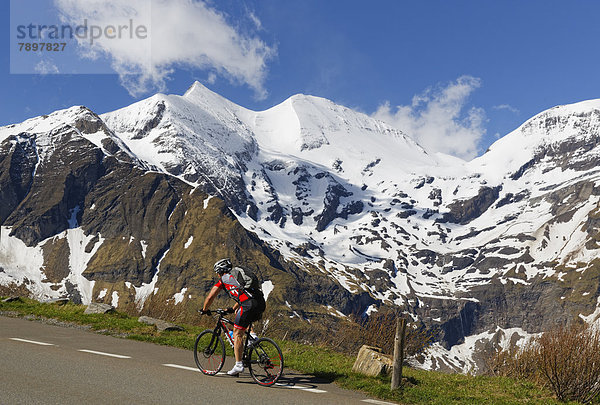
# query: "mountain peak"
579,107
197,88
556,131
199,92
47,123
301,97
210,101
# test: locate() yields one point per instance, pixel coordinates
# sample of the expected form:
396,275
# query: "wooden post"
398,353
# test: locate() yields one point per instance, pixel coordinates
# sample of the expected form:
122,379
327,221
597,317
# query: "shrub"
565,359
517,362
569,359
379,330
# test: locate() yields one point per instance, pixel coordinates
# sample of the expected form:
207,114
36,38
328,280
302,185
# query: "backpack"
247,279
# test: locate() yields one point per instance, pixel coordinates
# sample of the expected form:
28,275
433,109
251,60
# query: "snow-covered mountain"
347,211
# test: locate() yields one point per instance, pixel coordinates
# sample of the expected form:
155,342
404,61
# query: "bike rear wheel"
266,362
209,352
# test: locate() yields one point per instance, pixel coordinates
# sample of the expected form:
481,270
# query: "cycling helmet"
223,266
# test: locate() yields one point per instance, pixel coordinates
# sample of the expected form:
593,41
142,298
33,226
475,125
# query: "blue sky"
487,65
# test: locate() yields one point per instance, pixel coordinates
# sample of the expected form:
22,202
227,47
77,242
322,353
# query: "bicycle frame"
222,326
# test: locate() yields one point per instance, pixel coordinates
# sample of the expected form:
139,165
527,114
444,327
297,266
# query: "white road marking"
374,401
32,341
182,367
118,356
189,368
315,390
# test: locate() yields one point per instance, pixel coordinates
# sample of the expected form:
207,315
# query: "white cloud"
439,119
212,78
180,34
507,107
45,67
255,20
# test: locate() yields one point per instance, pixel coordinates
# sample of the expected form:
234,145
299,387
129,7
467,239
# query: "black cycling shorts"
251,310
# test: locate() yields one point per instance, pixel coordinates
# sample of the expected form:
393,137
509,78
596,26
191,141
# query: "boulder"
12,299
160,324
372,362
57,301
98,308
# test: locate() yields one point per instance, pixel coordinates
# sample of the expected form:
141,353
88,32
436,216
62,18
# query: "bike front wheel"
209,352
266,362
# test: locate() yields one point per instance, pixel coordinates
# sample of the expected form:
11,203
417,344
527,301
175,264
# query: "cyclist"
242,286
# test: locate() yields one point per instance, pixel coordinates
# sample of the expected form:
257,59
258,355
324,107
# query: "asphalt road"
47,364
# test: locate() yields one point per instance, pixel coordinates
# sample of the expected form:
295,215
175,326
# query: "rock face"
463,212
372,362
337,213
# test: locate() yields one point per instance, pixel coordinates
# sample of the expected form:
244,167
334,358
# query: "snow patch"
78,261
102,293
144,246
594,317
335,312
461,357
23,265
145,290
294,313
266,288
180,295
372,308
189,242
115,299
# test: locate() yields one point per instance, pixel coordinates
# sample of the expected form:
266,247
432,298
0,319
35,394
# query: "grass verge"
420,387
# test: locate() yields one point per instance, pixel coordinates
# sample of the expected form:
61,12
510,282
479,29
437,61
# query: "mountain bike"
261,356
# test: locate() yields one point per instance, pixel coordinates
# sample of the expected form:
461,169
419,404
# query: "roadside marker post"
398,353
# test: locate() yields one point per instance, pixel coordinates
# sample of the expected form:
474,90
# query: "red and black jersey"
233,287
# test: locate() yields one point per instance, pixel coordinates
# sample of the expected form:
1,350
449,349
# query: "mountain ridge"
338,206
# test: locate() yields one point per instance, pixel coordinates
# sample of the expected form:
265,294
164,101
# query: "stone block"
372,362
12,299
160,324
57,301
98,308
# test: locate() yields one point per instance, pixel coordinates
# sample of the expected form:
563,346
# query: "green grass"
420,387
429,387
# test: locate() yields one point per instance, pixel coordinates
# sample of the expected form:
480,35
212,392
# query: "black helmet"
223,266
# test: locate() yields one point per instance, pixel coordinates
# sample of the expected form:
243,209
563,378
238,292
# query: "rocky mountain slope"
338,212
